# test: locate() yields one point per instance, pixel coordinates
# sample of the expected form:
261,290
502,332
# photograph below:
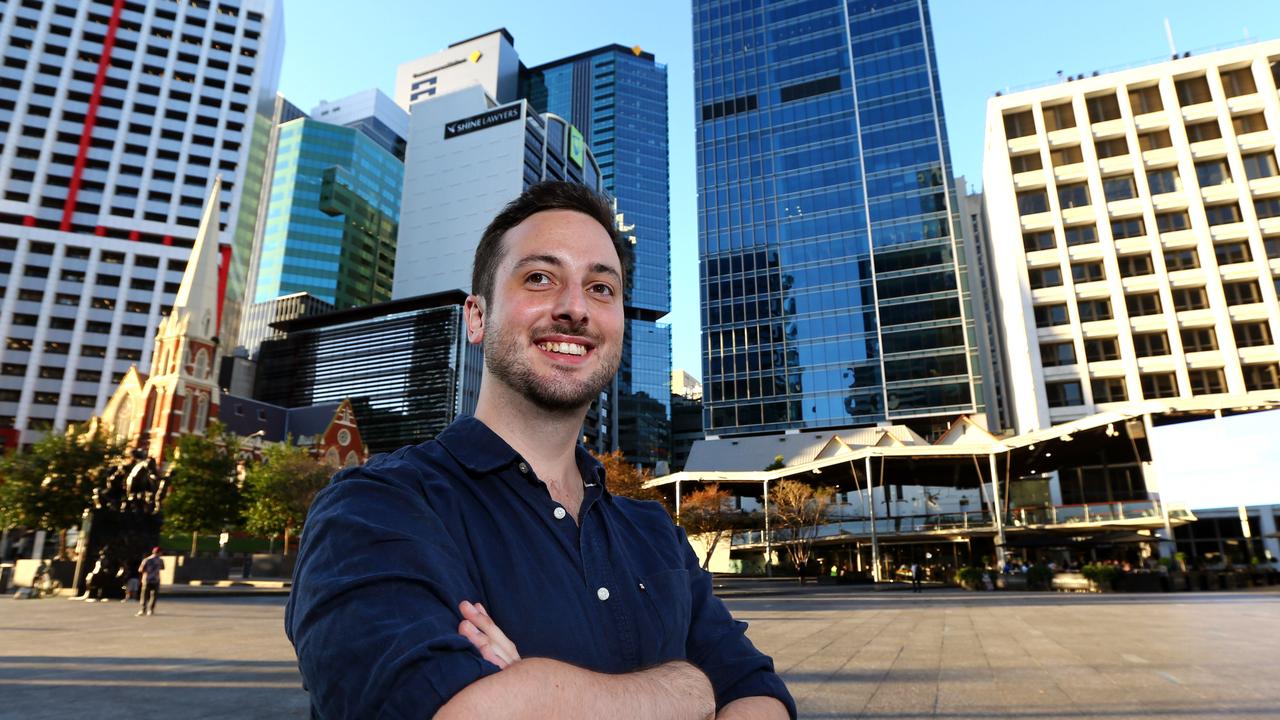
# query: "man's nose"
571,304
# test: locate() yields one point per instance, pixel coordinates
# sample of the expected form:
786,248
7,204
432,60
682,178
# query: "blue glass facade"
332,221
833,290
617,97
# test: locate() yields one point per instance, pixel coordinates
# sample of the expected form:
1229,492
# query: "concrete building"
686,417
487,60
116,120
1135,223
834,280
372,113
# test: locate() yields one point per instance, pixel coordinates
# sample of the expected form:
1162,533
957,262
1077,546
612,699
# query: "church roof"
197,298
246,416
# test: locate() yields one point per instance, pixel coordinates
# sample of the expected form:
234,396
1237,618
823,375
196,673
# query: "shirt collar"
480,450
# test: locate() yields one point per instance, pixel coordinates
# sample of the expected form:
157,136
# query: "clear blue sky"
333,49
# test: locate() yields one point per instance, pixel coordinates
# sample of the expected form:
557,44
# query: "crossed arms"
539,687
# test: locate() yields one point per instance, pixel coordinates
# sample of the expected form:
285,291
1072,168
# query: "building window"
1203,130
1034,241
1151,344
1083,272
1103,107
1238,82
1091,310
1271,244
1172,221
1154,140
1158,385
1127,228
1066,156
1073,195
1050,315
1244,292
1212,172
1025,163
1261,377
1107,390
1081,235
1229,253
1044,277
1139,304
1064,394
1114,147
1120,187
1259,165
1199,339
1032,201
1190,298
1059,117
1101,349
1267,207
1145,100
1251,334
1019,124
1252,122
1135,265
1193,91
1057,354
1163,181
1206,382
1181,259
1222,214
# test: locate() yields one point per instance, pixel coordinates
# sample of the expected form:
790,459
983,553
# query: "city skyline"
978,54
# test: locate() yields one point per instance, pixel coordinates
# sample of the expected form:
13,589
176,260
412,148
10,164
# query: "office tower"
116,120
834,290
1135,218
260,318
487,60
986,305
617,97
335,204
405,365
372,113
686,417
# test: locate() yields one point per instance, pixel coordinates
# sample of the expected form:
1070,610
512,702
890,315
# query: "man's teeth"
564,348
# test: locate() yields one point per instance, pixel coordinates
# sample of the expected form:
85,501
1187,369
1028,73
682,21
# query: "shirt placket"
599,570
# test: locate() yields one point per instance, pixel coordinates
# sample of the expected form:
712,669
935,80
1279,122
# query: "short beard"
502,357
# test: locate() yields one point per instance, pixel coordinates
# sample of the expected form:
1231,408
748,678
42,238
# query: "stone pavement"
845,654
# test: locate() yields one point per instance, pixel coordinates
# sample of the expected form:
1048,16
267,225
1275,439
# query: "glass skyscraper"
332,220
834,286
617,97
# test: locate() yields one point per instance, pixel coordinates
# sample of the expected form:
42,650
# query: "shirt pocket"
668,602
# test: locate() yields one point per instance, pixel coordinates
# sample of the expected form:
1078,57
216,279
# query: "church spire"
197,299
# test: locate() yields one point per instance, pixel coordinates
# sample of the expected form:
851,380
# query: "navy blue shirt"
392,547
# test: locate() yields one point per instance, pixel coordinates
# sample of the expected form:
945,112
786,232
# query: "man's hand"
485,634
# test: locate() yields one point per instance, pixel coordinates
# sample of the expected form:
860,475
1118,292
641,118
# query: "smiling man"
489,573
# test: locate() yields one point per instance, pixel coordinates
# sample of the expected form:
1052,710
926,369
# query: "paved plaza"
861,654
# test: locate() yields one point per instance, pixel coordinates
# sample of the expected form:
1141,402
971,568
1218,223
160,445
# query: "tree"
778,463
799,509
205,496
280,489
708,512
626,479
50,485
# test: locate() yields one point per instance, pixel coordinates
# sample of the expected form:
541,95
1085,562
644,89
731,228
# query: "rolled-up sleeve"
373,611
718,645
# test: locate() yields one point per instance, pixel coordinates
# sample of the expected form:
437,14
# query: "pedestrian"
131,587
915,577
490,567
150,572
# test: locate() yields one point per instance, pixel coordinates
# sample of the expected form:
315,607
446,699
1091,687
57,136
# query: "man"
150,569
489,572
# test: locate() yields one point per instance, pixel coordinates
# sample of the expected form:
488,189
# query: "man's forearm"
754,708
541,688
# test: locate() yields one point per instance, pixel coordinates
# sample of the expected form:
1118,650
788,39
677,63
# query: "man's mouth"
563,348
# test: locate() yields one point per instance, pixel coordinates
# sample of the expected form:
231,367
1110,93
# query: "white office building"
1135,224
488,60
116,119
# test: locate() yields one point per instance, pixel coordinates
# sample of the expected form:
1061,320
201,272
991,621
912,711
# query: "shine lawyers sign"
483,120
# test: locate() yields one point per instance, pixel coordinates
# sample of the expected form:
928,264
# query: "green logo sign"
577,150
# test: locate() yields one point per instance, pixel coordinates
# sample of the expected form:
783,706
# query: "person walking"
915,577
150,572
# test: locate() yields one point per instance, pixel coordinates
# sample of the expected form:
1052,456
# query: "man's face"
552,328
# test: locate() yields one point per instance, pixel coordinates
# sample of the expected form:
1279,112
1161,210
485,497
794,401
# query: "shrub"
1039,577
1104,576
969,577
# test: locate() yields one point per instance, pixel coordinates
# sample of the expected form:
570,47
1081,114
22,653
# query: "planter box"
194,569
1179,581
1011,582
273,566
1071,582
1143,582
24,571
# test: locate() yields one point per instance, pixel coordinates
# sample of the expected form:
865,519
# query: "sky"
333,50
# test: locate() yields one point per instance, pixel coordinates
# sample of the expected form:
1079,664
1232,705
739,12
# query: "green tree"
50,485
205,496
279,490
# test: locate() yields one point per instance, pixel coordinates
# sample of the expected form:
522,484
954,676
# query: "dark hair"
551,195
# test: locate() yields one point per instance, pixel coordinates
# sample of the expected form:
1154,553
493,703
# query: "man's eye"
602,289
538,279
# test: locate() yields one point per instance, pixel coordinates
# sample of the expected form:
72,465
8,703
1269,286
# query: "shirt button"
603,594
524,467
559,513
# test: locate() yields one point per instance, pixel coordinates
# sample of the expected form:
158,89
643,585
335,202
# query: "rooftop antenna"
1168,33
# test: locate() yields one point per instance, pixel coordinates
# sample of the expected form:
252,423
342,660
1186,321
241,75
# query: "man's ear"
473,313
